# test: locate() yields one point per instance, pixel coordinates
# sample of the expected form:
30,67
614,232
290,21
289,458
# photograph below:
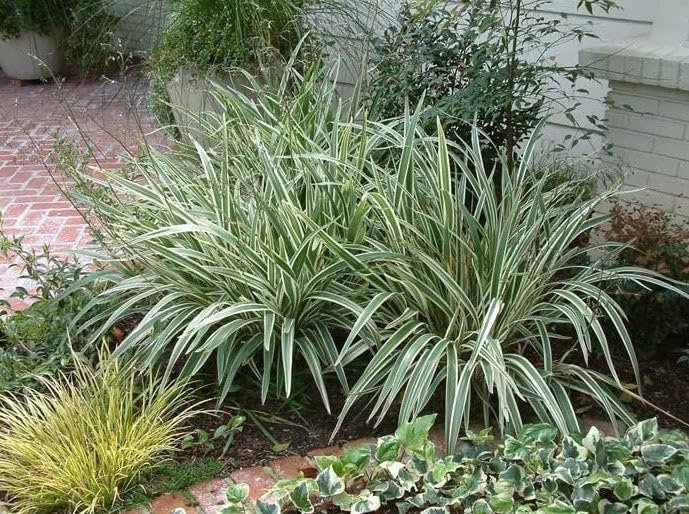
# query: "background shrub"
658,319
82,443
36,341
488,60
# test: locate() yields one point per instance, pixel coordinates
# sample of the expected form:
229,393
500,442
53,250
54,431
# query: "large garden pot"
31,56
195,109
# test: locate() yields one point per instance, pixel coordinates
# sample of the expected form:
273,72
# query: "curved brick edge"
209,497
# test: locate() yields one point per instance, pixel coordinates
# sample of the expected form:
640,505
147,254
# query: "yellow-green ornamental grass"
78,445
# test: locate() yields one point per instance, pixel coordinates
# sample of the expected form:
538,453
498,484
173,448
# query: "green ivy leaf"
325,461
413,435
237,493
355,460
502,502
329,483
388,449
537,433
300,498
624,489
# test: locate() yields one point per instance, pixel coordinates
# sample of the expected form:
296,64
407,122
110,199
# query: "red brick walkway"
107,114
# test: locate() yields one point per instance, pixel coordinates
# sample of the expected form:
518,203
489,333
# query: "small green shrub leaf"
624,489
387,449
237,493
502,502
413,435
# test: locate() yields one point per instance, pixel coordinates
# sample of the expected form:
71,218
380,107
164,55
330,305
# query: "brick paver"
109,115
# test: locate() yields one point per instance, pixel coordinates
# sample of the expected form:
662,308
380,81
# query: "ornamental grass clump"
302,239
83,442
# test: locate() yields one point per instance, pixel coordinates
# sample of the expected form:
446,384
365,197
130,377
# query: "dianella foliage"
303,238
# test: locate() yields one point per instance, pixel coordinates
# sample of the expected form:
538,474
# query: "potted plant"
209,40
30,37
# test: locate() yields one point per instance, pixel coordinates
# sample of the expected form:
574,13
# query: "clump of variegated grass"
81,443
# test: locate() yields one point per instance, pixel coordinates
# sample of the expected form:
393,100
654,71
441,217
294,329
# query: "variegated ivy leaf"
440,471
617,451
267,507
644,432
679,503
593,437
681,474
644,506
669,485
513,475
557,507
583,496
571,449
392,467
435,510
480,506
388,490
514,449
365,503
329,483
343,501
651,487
300,498
657,454
470,485
503,487
608,507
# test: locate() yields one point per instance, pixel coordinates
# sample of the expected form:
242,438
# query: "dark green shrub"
475,58
658,320
42,16
537,470
36,342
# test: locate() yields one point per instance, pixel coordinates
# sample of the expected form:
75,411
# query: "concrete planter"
193,105
31,56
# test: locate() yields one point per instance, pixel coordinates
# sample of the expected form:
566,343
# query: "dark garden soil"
290,433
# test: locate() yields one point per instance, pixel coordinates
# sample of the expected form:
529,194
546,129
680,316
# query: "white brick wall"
652,142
